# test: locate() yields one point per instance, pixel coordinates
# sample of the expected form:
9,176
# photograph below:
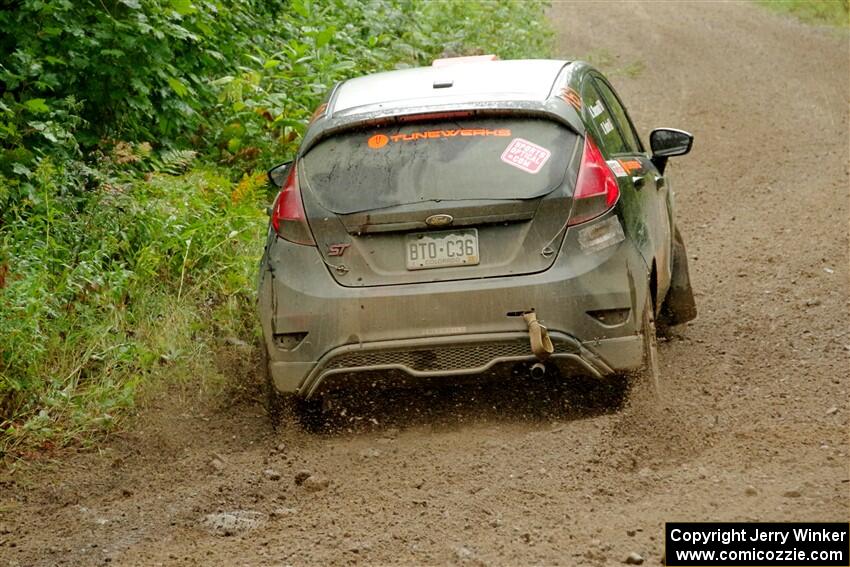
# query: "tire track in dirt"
756,407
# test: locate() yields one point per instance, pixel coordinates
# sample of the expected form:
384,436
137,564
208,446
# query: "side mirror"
668,142
278,174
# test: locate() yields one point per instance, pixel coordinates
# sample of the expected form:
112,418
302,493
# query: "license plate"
442,249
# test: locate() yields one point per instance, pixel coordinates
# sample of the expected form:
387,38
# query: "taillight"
596,188
288,217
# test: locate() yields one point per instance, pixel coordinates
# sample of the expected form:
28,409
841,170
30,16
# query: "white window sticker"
525,155
616,168
607,127
596,109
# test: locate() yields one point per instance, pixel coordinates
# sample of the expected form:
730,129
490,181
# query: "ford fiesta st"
465,219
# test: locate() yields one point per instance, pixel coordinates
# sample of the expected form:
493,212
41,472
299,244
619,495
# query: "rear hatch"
445,199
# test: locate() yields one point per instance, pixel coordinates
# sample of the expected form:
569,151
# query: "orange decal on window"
380,140
569,95
630,165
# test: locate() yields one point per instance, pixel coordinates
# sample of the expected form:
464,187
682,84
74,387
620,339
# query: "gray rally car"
464,219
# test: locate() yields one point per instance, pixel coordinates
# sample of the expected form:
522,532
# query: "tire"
679,306
276,403
646,380
309,414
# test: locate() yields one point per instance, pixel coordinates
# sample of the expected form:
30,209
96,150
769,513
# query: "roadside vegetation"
830,12
134,137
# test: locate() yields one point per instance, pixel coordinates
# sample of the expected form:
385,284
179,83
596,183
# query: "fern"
173,162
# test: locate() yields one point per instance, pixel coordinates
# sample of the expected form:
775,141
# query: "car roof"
466,81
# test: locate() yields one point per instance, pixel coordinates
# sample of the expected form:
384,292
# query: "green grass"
829,12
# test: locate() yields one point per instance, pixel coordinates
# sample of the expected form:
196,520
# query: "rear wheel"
646,380
310,414
276,403
679,305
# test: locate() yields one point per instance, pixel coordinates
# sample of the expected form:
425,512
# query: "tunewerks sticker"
525,155
378,141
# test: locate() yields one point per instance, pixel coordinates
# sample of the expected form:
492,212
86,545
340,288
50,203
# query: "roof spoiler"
448,61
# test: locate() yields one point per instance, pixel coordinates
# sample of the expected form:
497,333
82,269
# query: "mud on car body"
460,220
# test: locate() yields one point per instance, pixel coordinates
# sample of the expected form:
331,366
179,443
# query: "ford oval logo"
439,220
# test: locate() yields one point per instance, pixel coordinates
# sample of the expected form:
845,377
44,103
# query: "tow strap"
541,344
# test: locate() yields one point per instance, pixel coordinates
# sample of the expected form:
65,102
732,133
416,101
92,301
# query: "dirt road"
756,423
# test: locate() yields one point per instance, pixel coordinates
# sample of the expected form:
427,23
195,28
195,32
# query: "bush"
166,52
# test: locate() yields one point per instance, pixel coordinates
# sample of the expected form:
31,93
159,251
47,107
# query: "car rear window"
471,158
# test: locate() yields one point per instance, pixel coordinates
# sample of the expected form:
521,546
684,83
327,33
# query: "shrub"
165,52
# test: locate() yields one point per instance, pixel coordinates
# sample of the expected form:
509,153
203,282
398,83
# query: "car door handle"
659,181
639,181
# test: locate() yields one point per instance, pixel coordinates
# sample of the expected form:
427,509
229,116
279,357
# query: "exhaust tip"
538,370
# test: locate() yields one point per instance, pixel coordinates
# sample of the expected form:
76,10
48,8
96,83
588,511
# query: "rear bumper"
450,359
320,334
